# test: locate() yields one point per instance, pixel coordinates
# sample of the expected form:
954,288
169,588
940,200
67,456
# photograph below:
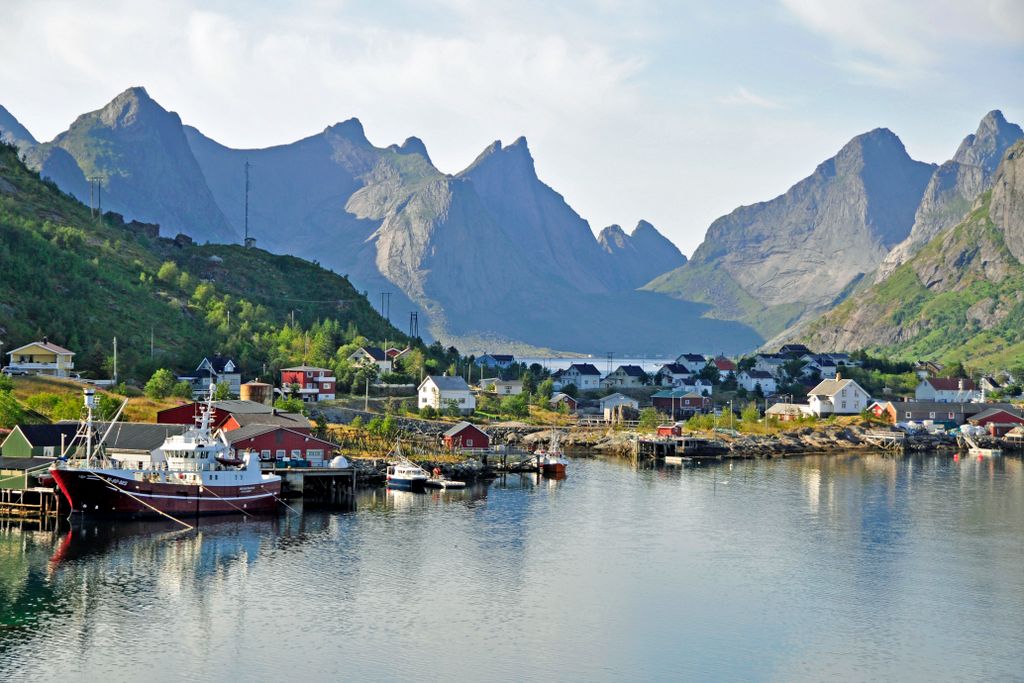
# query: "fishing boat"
403,473
191,474
552,460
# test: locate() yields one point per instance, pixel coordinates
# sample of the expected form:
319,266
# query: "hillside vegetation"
82,281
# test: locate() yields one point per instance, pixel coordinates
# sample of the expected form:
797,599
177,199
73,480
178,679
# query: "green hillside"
960,299
81,281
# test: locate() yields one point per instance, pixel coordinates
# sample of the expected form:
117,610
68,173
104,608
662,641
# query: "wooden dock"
324,485
886,440
36,502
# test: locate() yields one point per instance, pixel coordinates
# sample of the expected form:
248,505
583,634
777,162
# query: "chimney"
960,385
839,376
46,340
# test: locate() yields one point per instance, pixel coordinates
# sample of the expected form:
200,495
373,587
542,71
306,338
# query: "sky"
673,112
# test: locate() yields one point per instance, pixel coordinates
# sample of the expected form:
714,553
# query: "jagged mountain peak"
878,146
413,145
516,156
350,129
643,227
128,107
12,131
985,147
612,236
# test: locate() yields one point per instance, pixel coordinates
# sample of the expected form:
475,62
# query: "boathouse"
37,441
230,415
465,435
997,421
280,443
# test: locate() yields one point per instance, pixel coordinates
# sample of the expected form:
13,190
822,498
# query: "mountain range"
492,257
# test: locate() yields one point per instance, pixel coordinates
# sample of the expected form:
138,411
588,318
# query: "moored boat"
403,473
551,461
192,474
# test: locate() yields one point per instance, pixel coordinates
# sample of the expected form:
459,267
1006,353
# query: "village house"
464,436
233,414
38,441
495,360
837,397
583,376
558,399
947,390
441,391
997,421
692,360
752,379
624,376
788,412
41,358
215,370
680,403
697,386
724,367
274,442
502,387
943,413
371,355
927,368
672,374
394,353
771,363
989,383
611,403
821,366
311,384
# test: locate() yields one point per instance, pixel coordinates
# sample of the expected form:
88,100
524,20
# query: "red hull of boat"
93,494
556,468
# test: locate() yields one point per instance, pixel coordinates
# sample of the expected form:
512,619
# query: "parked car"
11,372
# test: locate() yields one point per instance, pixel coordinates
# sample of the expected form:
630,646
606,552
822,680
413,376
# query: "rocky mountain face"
770,263
640,256
11,130
954,186
960,297
489,256
146,168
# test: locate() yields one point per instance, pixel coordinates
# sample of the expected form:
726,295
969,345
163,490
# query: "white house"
496,360
215,370
750,379
692,360
41,358
613,401
769,362
701,387
584,376
947,390
371,355
442,391
624,376
673,374
837,397
502,387
820,364
724,367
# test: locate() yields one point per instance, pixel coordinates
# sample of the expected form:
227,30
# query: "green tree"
290,405
222,391
182,390
452,409
516,406
169,272
750,414
388,427
650,418
546,389
6,383
428,412
357,422
160,384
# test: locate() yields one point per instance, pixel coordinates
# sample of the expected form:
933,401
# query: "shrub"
160,384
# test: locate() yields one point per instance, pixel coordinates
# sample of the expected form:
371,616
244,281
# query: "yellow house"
41,358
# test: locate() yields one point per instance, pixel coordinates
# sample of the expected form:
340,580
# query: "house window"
952,416
469,443
844,392
907,414
280,454
265,454
931,415
296,453
315,454
327,385
844,405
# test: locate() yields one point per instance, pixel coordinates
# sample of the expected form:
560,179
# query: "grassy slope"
939,316
77,280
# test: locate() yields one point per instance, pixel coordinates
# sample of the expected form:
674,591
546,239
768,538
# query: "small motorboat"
551,461
404,474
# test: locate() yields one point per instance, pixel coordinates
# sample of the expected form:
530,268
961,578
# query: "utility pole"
115,361
151,342
366,400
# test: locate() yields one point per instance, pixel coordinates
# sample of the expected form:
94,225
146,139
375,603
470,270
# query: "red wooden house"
230,415
314,384
465,435
273,442
998,421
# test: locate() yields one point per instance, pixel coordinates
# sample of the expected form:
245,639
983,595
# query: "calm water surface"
844,567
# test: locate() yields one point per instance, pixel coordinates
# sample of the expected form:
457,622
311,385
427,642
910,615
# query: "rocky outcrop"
955,185
808,246
11,131
635,259
139,152
1007,207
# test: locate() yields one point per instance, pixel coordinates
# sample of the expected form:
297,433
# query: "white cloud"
898,41
742,96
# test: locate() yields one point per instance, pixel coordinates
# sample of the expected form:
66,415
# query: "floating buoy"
956,457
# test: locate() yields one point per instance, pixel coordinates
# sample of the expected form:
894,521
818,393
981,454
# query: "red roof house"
274,442
465,435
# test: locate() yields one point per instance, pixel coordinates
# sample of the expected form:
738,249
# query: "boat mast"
90,401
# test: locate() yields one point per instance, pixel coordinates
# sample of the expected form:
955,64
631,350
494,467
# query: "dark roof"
305,368
965,407
375,352
584,369
250,431
799,349
23,463
280,419
448,383
135,436
632,370
992,412
239,407
693,358
951,383
675,369
676,393
460,426
759,374
39,436
218,363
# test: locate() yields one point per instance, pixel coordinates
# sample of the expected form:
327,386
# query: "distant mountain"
146,168
82,280
954,186
771,263
13,132
639,257
960,297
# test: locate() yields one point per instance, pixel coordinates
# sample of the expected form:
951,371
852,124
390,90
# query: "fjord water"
844,566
